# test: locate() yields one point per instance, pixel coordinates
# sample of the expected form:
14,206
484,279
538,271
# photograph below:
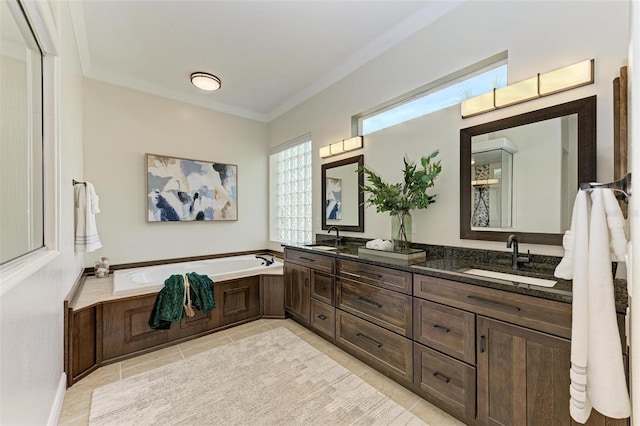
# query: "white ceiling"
270,55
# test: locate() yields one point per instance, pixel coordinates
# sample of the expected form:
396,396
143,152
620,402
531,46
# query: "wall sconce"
559,80
342,146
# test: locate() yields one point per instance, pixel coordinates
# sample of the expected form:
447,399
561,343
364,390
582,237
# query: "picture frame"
187,190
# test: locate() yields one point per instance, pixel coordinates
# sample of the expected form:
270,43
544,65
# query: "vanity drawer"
381,348
322,287
323,318
448,380
310,260
446,329
376,275
386,308
539,314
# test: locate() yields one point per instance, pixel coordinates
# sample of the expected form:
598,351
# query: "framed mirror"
342,195
520,175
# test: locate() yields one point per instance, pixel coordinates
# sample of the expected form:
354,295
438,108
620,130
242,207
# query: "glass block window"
291,170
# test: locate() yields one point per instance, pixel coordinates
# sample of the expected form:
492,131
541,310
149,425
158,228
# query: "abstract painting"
334,199
183,190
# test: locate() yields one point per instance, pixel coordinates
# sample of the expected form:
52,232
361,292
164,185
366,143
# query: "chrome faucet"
516,259
334,228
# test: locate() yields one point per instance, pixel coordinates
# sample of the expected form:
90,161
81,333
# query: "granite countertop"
450,262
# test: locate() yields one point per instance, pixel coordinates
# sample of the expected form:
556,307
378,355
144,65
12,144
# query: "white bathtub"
151,278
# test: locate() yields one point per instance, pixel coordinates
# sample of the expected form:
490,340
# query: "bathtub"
151,278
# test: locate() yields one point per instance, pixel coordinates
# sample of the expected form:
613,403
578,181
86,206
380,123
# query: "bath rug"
273,378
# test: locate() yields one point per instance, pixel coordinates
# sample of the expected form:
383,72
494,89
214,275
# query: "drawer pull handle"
495,304
322,317
369,340
482,344
361,273
307,259
369,302
441,329
306,282
441,377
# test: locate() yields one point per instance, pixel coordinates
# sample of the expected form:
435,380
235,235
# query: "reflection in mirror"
520,175
492,183
342,195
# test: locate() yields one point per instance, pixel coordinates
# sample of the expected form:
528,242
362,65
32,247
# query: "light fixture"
205,81
342,146
559,80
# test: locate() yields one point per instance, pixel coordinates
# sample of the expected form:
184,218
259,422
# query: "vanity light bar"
559,80
342,146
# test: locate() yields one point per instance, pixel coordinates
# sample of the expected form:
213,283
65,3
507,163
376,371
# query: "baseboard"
56,408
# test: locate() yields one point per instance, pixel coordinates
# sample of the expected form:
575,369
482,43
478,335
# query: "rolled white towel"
374,244
386,245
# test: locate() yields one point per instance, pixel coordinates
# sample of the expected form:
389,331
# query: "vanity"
488,351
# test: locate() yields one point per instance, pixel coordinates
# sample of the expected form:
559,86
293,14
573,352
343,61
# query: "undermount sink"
320,247
511,277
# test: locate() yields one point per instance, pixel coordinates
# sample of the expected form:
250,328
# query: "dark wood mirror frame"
586,110
359,161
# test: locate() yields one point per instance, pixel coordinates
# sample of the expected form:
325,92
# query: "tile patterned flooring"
77,400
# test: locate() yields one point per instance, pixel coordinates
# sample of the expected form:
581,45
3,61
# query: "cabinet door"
125,326
272,290
296,291
83,342
523,376
238,300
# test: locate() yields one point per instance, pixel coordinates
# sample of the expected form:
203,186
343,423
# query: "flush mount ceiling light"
559,80
205,81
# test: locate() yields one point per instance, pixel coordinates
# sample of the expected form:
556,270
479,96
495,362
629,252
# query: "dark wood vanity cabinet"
523,375
309,289
297,282
487,356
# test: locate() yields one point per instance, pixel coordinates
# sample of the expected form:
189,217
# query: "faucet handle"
525,259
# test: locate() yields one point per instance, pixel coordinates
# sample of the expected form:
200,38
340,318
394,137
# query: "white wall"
31,314
539,37
120,126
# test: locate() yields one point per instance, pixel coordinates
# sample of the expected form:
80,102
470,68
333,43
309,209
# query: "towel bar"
622,186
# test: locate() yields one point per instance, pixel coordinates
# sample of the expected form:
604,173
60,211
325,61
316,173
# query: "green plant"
411,194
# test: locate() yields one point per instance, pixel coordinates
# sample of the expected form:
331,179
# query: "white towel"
379,244
564,269
87,238
597,372
95,206
617,226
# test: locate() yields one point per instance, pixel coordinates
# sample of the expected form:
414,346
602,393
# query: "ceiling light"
205,81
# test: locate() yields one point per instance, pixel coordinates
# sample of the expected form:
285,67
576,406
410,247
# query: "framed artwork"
184,190
334,199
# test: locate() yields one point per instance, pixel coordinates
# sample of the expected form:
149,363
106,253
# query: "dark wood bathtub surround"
113,330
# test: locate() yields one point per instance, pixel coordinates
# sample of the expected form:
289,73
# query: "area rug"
274,378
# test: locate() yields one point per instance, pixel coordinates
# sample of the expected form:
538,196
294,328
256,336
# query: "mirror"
519,175
342,195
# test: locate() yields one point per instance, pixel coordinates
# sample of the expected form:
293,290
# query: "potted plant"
400,198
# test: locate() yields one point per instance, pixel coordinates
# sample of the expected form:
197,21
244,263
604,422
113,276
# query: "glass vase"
401,230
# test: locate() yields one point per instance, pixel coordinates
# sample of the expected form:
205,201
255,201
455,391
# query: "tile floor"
77,401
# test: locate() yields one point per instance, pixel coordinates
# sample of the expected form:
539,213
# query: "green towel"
170,301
